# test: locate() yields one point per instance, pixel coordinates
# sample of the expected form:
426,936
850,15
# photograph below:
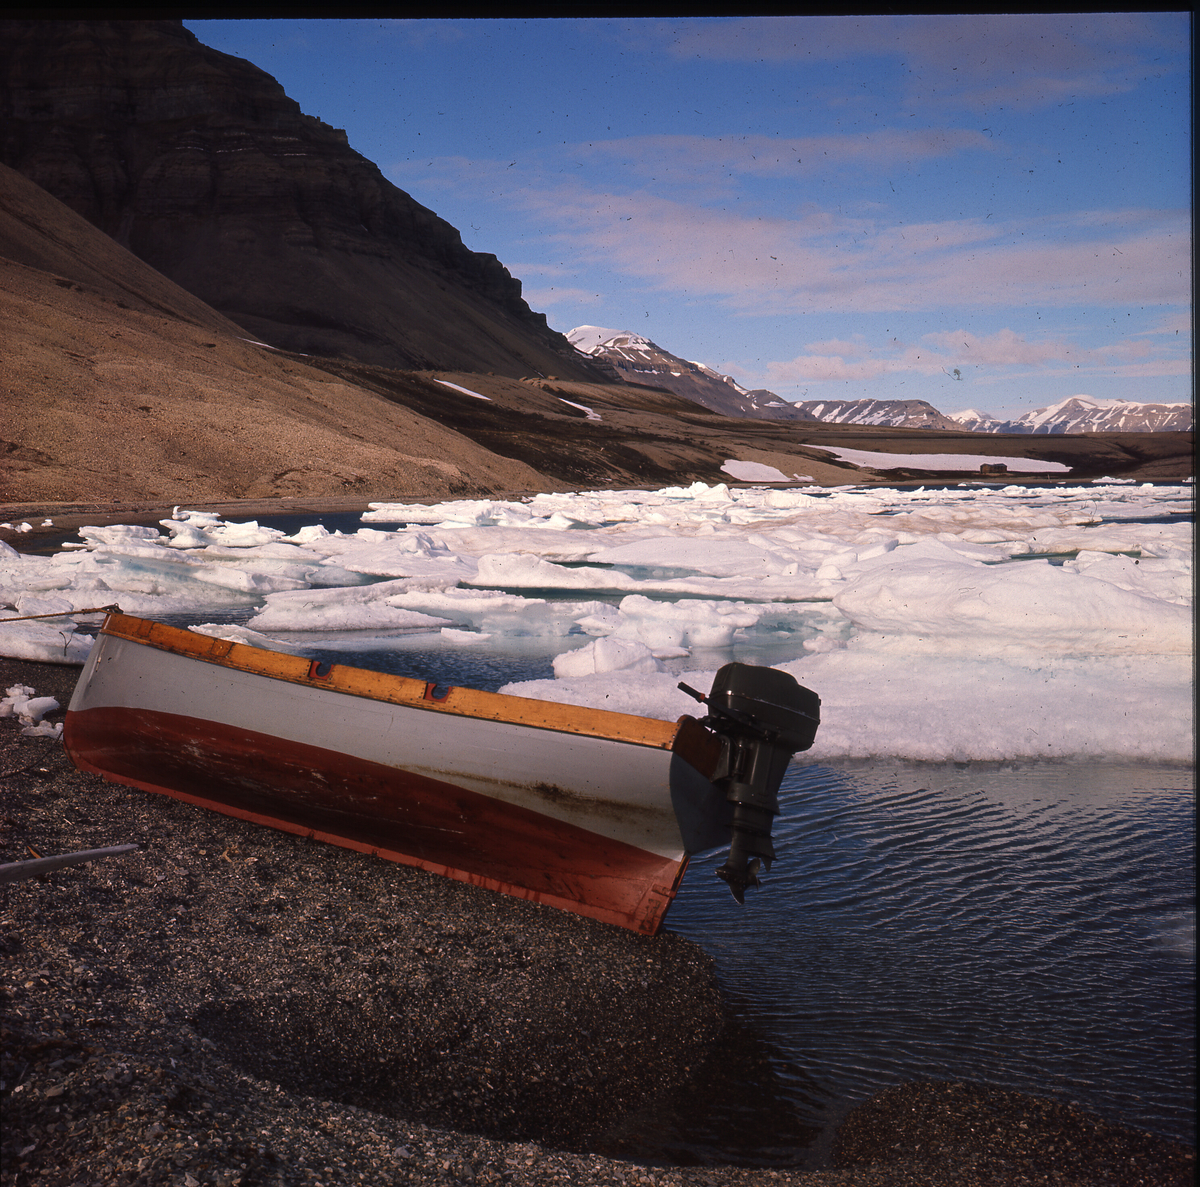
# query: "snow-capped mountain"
635,359
976,421
1085,414
895,414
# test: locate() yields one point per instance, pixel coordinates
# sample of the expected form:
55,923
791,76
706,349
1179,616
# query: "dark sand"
236,1005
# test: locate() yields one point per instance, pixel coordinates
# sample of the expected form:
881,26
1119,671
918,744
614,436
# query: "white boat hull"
581,809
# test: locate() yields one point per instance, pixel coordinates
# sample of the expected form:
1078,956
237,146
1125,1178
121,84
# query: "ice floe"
970,622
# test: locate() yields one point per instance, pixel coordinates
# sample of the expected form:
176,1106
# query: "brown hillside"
118,385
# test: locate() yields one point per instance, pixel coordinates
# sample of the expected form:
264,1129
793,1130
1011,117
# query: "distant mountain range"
638,360
631,358
1085,414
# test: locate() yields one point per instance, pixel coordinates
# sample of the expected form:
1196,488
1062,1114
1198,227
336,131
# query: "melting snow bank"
968,623
950,463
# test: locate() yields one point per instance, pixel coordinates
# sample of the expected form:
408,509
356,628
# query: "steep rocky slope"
201,165
115,384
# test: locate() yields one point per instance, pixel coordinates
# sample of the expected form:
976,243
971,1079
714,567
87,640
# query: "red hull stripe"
377,809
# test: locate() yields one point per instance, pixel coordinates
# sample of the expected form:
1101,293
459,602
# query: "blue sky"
829,207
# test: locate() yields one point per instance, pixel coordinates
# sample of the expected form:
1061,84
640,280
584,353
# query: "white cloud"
971,61
813,259
551,298
1005,348
818,261
691,159
981,357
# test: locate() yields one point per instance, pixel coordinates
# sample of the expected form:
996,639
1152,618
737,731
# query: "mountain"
896,414
1085,414
633,359
117,384
201,165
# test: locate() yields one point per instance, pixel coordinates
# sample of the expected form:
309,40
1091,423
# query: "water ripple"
1030,926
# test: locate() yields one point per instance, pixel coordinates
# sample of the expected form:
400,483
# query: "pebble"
233,1006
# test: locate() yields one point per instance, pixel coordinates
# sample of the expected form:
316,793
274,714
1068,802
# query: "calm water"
1028,926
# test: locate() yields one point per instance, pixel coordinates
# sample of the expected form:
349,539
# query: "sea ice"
974,621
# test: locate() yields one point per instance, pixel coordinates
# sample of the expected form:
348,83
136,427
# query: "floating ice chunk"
310,534
243,535
241,634
462,638
494,612
732,556
53,643
403,513
938,708
472,512
671,627
39,603
1167,578
823,643
398,554
359,608
601,621
184,535
254,584
606,655
521,571
1011,607
131,537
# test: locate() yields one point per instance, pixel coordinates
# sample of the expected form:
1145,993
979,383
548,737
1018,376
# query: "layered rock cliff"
201,165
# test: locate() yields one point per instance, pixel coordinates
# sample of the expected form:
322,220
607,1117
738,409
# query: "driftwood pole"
16,871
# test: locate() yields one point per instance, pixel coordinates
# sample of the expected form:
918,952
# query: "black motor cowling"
763,717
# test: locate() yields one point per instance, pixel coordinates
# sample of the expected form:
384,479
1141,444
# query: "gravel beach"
233,1005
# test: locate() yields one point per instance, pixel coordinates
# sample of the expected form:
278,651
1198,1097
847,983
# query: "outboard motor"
763,717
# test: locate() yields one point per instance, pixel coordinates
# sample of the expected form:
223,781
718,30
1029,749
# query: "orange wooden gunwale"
396,690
